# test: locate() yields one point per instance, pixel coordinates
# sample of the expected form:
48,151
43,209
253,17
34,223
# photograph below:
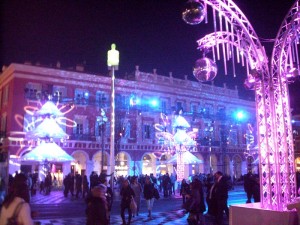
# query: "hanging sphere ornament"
205,70
194,12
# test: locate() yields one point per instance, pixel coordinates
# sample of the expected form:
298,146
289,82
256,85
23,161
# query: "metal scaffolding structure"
235,39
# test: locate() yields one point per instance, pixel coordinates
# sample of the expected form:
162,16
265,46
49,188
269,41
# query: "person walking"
221,195
249,186
148,195
97,209
184,190
17,202
137,189
126,194
78,181
109,195
85,186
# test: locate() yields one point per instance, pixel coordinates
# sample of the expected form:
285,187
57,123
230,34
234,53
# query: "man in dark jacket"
248,186
221,194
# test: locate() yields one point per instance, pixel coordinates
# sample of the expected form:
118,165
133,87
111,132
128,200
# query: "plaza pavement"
55,209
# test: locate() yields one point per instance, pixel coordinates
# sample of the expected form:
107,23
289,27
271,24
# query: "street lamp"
113,64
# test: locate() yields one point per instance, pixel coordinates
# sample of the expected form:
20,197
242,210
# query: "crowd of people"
193,193
200,193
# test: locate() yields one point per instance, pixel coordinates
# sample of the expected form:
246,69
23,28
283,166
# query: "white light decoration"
48,128
47,151
177,142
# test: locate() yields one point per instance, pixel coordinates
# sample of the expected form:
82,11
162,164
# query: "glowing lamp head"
194,12
113,57
205,70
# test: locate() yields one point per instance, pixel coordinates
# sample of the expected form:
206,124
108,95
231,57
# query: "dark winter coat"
148,191
126,193
96,211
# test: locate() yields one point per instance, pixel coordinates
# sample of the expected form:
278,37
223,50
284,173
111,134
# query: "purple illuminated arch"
235,38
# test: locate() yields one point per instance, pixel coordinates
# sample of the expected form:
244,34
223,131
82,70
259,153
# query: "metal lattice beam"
276,153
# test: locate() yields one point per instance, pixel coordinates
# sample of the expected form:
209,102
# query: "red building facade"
140,100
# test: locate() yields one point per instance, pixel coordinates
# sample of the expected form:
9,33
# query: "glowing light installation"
46,132
234,36
177,141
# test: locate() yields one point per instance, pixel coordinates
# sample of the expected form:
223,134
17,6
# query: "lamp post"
210,130
102,121
112,63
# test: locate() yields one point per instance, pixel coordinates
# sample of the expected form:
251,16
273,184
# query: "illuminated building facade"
141,99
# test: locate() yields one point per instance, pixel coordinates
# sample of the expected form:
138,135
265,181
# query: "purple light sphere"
194,12
205,70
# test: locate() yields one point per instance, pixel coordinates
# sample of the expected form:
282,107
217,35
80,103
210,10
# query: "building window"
79,128
101,99
147,132
33,90
194,108
100,126
82,126
233,137
122,101
59,92
179,105
81,97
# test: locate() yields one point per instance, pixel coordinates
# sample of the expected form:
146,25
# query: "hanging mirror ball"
205,70
193,12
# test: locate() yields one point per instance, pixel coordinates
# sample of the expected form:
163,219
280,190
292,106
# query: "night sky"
148,33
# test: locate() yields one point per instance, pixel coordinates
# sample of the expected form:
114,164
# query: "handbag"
156,193
133,206
13,220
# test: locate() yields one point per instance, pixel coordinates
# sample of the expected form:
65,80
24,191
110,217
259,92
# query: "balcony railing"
82,137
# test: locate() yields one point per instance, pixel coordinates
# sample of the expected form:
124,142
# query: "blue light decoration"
133,101
153,102
240,115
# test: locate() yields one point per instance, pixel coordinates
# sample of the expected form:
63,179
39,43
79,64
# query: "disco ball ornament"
193,12
205,70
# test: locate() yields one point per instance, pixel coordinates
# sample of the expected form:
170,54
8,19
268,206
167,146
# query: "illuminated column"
112,63
180,163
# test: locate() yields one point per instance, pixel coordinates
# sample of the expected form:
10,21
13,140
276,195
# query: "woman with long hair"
17,202
148,195
126,195
137,189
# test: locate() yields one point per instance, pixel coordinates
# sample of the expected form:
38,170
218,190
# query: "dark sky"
148,33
